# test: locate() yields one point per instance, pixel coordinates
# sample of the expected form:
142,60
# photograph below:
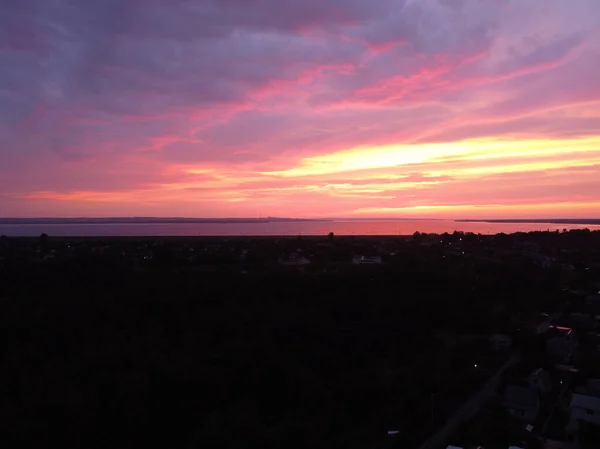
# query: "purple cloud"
147,85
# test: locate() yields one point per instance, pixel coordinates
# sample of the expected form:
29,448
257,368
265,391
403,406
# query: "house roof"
520,397
585,401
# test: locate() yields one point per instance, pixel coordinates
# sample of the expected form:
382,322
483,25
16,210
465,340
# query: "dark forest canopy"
209,342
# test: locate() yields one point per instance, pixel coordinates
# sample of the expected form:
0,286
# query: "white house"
363,260
294,260
521,402
585,407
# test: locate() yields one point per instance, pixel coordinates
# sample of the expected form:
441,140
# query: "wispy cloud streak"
313,108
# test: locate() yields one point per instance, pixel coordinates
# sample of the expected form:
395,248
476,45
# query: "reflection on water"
348,227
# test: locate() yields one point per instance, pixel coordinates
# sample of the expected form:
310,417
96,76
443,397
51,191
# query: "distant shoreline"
183,220
147,220
566,221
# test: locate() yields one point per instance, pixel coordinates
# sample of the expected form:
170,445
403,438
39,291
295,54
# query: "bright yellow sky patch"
437,153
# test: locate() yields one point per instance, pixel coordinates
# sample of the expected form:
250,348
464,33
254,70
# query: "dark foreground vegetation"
204,342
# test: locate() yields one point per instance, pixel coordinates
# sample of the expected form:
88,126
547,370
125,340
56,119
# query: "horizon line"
481,219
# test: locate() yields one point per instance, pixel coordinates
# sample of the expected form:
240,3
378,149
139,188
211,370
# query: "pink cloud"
107,102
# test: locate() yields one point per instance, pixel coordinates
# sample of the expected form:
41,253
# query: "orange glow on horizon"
306,110
394,180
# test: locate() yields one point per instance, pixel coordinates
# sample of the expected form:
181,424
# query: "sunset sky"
307,108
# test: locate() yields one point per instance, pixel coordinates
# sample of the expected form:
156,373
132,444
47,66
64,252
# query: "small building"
561,349
293,260
585,403
521,402
364,260
585,407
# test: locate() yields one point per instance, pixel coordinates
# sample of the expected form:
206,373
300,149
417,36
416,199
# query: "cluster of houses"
552,396
297,259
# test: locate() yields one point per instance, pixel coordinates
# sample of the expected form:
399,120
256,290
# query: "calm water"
347,227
